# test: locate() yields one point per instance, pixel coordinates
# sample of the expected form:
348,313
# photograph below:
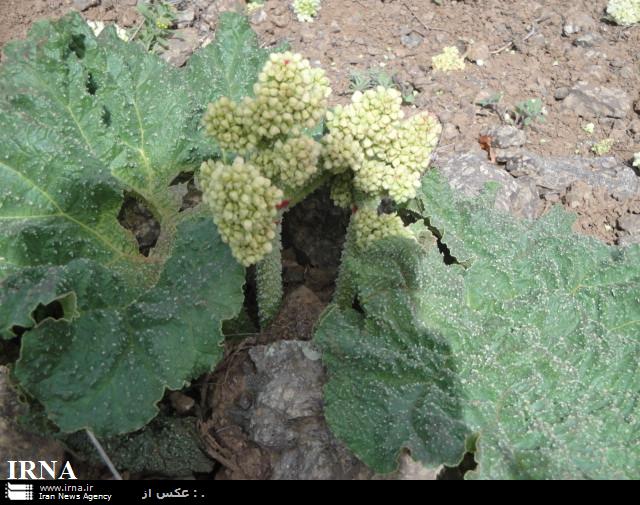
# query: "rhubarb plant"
453,329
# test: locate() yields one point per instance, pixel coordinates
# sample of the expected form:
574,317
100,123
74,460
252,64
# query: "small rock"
504,136
211,10
617,63
628,72
334,27
597,101
83,5
286,415
561,93
258,17
508,155
630,223
578,195
411,40
537,40
521,46
478,53
181,46
181,403
185,18
469,173
449,131
557,174
202,4
418,78
281,21
307,35
588,40
129,17
576,22
413,470
210,15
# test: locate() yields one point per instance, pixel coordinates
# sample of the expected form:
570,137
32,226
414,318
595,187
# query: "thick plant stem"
269,281
345,292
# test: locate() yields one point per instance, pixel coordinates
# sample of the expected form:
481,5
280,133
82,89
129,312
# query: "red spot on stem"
354,209
283,204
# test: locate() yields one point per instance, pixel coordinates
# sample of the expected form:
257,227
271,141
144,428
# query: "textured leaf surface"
230,64
533,345
84,121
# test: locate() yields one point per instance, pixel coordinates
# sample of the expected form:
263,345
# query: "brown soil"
17,16
356,35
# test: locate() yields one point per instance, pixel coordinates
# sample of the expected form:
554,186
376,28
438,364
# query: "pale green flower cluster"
292,162
290,96
636,160
306,10
370,226
254,6
449,59
386,154
226,121
342,190
267,134
624,12
244,205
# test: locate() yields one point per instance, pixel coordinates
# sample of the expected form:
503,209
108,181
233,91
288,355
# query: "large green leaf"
230,64
532,344
85,121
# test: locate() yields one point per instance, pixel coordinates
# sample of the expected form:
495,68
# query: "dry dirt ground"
401,36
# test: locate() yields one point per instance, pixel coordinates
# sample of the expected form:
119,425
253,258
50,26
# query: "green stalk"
269,269
269,281
345,292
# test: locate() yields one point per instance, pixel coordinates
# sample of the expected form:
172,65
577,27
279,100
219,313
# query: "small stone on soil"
590,101
185,18
588,40
411,40
181,46
83,5
503,136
